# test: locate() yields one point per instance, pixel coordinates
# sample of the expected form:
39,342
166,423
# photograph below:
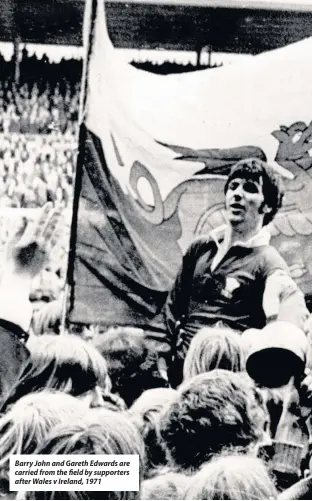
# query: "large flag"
154,154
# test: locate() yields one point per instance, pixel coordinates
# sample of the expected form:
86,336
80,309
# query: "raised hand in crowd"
29,248
26,253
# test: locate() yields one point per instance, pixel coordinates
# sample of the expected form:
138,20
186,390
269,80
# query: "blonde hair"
28,422
152,400
231,477
214,348
67,363
146,412
99,432
167,486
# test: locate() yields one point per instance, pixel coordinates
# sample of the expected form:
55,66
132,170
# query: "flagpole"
88,26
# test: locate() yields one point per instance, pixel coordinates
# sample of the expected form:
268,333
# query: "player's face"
244,201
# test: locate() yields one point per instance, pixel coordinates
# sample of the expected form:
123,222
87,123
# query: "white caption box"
74,473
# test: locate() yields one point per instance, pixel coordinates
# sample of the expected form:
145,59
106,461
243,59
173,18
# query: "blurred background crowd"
36,168
39,109
38,149
38,132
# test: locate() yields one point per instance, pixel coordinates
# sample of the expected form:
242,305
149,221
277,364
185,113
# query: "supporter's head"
66,363
166,486
252,190
99,432
146,411
132,367
231,477
214,348
27,423
212,412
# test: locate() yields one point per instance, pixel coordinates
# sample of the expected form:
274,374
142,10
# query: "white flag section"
218,108
158,149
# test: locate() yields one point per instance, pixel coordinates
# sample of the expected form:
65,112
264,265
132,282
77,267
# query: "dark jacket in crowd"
13,355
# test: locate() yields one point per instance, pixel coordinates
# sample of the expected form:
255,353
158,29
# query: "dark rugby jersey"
232,293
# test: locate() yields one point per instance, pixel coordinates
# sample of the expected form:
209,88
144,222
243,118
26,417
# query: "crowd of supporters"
219,435
38,131
39,108
209,439
38,149
35,169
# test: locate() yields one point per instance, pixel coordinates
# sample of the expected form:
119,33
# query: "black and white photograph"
155,249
